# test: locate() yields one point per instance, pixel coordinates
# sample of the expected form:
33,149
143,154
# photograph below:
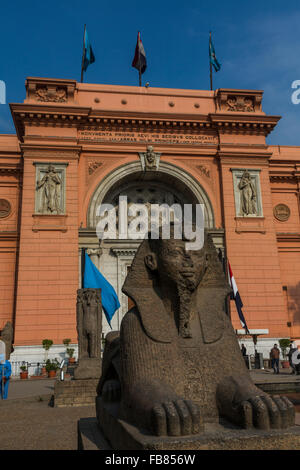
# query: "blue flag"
212,56
93,279
89,57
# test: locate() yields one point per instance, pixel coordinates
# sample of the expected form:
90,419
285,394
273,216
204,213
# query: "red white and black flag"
237,299
139,61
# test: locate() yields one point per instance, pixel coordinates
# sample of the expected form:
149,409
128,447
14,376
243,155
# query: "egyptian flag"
139,61
237,299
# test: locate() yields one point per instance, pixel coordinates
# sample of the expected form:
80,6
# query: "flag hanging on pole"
212,56
88,56
238,300
92,278
139,61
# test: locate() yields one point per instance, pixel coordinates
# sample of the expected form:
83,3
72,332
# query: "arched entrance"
170,184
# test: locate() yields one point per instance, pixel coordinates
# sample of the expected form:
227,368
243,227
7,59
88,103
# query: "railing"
34,368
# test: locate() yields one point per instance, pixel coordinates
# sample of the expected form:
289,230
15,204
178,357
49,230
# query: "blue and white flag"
212,56
92,278
88,54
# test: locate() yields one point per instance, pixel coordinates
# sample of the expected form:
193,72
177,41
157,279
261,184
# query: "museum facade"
80,145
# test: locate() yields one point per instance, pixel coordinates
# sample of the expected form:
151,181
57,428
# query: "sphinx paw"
177,417
265,412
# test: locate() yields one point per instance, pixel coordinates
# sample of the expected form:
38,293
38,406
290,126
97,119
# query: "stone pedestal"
75,392
216,436
88,368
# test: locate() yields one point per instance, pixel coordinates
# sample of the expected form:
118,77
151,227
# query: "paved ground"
28,423
29,388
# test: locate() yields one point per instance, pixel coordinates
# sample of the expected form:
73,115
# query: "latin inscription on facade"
147,137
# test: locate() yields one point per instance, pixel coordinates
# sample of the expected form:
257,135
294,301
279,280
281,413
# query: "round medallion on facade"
5,208
282,212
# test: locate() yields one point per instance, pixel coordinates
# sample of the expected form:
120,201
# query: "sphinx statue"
175,369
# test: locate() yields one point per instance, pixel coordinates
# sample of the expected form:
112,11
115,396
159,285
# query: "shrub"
70,352
284,343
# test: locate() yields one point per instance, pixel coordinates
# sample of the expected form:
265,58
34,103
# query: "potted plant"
52,367
284,343
66,341
47,343
70,352
24,372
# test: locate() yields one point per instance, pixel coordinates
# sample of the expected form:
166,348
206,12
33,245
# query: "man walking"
274,355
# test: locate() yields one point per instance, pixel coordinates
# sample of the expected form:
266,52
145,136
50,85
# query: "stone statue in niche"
50,185
176,368
89,329
247,195
150,159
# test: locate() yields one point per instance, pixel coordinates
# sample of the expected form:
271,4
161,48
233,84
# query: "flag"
88,55
212,56
92,278
237,299
139,61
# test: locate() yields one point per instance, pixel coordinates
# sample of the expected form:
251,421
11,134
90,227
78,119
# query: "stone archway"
169,184
176,179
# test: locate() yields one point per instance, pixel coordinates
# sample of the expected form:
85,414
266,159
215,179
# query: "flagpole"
82,266
140,72
210,65
83,55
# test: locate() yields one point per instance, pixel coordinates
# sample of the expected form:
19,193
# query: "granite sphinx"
175,369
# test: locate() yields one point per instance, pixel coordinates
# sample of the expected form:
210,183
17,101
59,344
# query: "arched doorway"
170,184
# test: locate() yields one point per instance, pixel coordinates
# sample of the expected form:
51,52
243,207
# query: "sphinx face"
180,266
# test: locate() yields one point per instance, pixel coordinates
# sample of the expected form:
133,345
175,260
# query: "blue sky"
257,43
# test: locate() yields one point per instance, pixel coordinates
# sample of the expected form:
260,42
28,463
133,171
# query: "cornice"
51,151
10,169
246,124
287,176
30,114
288,237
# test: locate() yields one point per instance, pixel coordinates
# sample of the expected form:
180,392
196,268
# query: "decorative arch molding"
166,171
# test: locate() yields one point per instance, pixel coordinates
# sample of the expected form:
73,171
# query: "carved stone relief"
51,94
247,193
282,212
50,188
240,103
150,159
5,208
93,166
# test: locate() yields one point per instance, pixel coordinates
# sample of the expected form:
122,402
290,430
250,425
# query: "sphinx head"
173,265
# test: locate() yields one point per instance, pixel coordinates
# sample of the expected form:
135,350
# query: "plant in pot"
66,341
70,352
24,372
52,367
47,343
284,343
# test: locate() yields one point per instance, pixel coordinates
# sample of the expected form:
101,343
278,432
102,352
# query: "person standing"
274,355
291,351
244,350
5,373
